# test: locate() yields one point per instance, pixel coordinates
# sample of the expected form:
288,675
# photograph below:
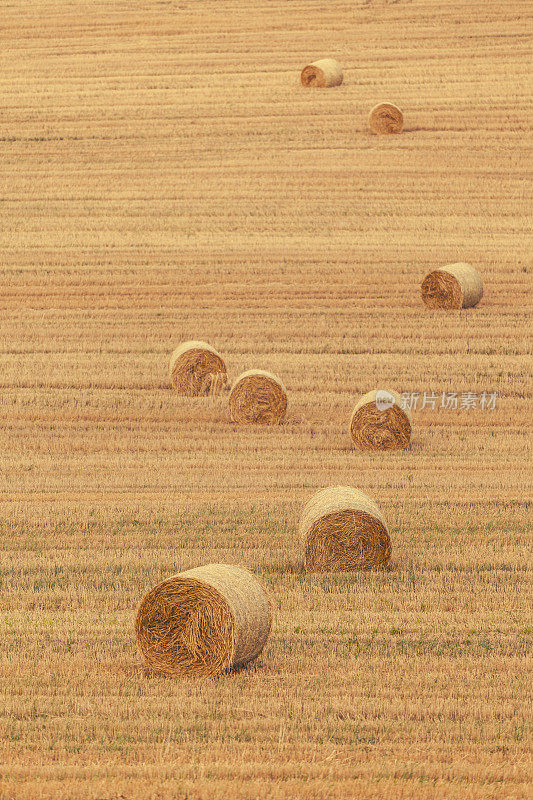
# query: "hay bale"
385,118
203,621
197,368
379,422
258,396
342,529
454,286
322,73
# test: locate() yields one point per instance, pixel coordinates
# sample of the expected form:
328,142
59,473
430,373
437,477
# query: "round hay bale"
323,73
203,621
258,396
342,529
385,118
197,368
380,423
454,286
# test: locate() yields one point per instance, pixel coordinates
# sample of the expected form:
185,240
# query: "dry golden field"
164,176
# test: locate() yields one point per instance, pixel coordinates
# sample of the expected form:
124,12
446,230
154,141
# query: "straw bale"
203,621
379,422
258,397
454,286
342,529
385,118
321,74
196,368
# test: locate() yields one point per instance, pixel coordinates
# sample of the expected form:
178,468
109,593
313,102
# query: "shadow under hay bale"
454,286
380,423
385,118
342,529
196,368
258,397
203,621
322,74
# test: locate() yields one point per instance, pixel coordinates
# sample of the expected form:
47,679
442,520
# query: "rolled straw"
379,422
454,286
321,74
258,396
342,529
385,118
203,621
197,368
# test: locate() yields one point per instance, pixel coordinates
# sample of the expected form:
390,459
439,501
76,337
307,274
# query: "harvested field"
165,177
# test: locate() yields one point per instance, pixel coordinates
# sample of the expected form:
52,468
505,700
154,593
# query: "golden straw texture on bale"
323,73
454,286
203,621
197,368
342,529
258,396
373,428
385,118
